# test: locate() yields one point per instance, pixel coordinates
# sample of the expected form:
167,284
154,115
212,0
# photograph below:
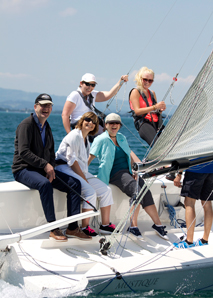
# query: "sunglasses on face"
87,119
147,80
89,84
114,122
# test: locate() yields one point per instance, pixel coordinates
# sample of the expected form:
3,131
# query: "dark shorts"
127,184
198,186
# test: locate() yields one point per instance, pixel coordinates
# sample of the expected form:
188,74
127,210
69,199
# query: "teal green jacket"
104,149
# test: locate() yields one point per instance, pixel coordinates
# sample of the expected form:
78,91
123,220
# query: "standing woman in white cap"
83,100
115,167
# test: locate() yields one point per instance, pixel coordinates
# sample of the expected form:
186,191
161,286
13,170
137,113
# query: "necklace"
112,136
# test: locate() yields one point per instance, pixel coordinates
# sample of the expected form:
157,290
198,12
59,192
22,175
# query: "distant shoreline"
24,111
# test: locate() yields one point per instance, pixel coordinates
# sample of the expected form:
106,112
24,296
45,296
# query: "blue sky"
47,45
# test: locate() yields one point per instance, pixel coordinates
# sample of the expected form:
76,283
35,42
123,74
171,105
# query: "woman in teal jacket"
115,167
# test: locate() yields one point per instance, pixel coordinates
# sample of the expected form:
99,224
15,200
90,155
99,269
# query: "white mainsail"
189,133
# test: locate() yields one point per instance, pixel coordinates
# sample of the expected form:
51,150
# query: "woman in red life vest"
145,108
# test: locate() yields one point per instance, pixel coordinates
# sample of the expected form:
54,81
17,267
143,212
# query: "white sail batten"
189,133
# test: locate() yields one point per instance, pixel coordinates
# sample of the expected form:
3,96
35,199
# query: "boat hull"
150,263
182,280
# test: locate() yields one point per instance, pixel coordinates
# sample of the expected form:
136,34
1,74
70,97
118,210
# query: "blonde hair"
94,118
139,76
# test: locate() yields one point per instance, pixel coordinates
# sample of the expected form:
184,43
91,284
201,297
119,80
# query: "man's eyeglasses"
90,84
147,80
87,119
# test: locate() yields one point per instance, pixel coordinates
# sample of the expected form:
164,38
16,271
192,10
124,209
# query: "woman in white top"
72,157
75,107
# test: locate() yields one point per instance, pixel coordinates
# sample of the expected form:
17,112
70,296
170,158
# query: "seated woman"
116,159
146,110
72,157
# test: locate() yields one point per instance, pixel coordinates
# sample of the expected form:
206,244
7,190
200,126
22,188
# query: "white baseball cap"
88,77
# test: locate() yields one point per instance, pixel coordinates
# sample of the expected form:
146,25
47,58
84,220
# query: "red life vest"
143,104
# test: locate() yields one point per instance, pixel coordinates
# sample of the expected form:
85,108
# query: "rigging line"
123,246
140,140
211,41
193,106
164,121
198,213
148,183
127,235
170,87
117,109
142,51
168,204
111,99
152,37
86,289
121,239
34,262
153,259
175,78
196,41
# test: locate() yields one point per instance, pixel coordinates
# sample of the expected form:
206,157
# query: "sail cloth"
189,133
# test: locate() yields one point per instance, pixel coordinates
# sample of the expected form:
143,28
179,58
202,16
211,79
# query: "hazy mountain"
20,100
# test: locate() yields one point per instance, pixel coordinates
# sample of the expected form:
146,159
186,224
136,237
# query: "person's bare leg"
134,217
190,217
207,207
85,221
105,215
152,212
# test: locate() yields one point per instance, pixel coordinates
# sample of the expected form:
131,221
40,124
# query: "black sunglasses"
147,80
89,84
114,122
87,119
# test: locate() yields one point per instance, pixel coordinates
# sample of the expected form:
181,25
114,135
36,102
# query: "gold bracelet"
154,107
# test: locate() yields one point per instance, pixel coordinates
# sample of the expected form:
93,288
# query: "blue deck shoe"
183,244
200,243
135,231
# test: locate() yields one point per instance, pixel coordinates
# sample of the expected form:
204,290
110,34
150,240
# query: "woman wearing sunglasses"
146,110
72,158
83,100
115,167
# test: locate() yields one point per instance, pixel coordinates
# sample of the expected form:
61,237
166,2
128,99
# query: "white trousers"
92,190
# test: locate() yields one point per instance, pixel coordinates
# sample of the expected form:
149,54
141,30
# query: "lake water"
8,124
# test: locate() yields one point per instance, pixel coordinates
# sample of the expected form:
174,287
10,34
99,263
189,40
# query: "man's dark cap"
43,99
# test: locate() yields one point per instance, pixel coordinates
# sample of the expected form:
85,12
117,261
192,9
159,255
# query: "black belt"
59,162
